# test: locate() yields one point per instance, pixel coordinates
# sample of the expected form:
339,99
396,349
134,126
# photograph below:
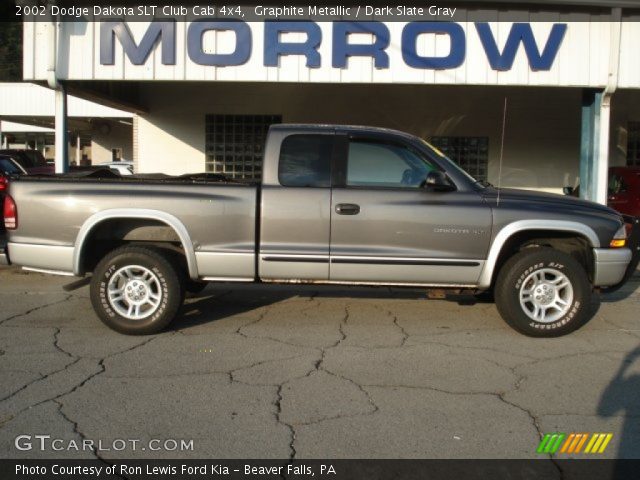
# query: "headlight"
620,238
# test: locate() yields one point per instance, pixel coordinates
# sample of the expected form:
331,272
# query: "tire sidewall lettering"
106,305
575,307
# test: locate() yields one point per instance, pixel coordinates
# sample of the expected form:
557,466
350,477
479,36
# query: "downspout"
61,155
602,167
52,60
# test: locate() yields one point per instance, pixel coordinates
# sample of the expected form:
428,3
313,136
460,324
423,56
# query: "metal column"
78,149
62,157
589,145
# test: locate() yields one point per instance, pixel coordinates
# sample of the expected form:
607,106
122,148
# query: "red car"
624,190
8,166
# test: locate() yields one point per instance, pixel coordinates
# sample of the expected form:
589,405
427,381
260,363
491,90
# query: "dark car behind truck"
336,205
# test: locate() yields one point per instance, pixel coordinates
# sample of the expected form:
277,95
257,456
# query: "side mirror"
437,181
567,190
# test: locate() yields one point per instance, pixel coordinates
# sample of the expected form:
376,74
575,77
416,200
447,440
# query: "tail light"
4,183
10,213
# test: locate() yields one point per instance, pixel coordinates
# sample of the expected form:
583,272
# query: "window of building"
470,153
235,144
633,145
305,161
378,164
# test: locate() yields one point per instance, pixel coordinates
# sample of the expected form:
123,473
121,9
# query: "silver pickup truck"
336,205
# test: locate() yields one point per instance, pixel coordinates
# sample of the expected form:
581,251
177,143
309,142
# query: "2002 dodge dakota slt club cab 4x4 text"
339,205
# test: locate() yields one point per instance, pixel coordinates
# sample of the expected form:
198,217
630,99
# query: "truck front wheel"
136,290
543,292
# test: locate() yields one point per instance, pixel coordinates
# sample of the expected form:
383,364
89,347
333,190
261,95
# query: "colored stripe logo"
591,443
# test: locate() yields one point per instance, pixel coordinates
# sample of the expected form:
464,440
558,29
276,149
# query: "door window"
379,164
305,161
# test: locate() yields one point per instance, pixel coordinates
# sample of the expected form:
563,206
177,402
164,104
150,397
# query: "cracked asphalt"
252,371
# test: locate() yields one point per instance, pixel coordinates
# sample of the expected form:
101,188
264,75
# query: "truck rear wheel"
136,290
543,292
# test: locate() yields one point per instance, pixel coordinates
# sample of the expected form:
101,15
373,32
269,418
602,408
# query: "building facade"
95,133
536,98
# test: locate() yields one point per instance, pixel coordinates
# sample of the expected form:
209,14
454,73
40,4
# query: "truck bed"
215,215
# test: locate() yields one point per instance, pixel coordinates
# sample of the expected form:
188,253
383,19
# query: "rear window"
305,161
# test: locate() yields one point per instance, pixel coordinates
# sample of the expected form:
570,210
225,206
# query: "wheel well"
574,244
116,232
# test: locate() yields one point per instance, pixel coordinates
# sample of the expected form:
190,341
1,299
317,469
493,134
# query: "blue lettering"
274,48
521,32
457,52
138,54
164,33
343,49
239,56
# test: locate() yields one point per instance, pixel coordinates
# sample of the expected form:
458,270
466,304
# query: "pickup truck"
336,205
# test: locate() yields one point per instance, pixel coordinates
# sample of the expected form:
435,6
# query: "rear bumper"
610,265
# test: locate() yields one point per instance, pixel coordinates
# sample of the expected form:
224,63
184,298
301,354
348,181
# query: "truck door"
387,228
296,207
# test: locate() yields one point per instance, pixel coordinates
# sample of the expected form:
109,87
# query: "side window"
379,164
305,161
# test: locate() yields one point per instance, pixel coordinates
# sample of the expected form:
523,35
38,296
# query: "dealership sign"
540,53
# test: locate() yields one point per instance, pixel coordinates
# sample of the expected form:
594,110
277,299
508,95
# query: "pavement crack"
292,431
261,317
405,335
39,379
232,373
35,309
79,385
57,346
343,336
85,440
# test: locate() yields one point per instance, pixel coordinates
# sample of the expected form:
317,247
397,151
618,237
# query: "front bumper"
608,261
610,265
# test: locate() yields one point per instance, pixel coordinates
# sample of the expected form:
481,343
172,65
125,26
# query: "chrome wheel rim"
134,292
546,295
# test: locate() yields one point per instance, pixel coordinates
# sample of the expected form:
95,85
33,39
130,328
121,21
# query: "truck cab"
364,212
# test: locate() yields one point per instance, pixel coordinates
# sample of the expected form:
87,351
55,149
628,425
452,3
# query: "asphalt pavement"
252,371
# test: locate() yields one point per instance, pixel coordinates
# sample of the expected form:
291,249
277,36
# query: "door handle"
347,209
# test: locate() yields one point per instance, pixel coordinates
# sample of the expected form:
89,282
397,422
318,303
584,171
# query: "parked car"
8,167
623,193
624,190
123,168
337,205
32,161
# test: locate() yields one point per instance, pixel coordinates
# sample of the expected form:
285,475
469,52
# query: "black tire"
163,292
194,287
571,304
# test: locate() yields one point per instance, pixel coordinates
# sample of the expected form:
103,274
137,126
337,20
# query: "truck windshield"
452,164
